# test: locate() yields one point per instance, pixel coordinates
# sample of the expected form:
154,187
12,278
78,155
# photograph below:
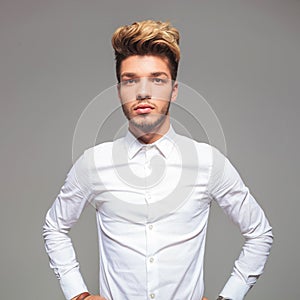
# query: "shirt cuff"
72,284
235,289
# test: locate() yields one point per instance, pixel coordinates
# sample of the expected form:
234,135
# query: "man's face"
146,90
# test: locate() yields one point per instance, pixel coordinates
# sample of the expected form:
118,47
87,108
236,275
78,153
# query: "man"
152,191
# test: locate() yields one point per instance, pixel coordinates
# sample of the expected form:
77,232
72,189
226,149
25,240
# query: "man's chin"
147,126
144,127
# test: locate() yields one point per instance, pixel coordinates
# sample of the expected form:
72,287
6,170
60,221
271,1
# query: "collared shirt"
152,204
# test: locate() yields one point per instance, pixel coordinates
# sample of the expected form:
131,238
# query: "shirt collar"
164,144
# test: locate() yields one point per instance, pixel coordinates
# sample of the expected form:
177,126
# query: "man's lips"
143,108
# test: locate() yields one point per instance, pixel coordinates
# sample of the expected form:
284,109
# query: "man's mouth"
144,108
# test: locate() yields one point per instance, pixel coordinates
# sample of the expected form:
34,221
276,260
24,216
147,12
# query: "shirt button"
151,259
152,295
150,226
148,196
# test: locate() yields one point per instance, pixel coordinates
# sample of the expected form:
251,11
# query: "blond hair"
147,38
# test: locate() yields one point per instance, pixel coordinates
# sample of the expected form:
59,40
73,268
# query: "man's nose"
144,90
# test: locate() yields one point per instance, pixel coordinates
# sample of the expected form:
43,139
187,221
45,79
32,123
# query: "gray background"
242,56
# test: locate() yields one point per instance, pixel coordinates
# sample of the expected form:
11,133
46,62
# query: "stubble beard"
145,122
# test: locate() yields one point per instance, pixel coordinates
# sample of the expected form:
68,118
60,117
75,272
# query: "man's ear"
174,91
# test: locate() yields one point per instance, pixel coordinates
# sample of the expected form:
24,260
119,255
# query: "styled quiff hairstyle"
147,38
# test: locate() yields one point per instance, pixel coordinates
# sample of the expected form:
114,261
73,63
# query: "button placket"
147,165
147,173
152,270
147,196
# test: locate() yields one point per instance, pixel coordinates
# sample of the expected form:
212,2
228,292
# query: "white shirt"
152,203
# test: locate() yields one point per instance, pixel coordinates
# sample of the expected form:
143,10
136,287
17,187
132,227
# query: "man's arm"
64,213
228,189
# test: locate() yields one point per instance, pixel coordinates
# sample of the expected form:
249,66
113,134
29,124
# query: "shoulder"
205,152
102,153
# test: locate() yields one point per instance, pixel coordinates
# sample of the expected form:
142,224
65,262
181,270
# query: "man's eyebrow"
130,75
157,74
153,74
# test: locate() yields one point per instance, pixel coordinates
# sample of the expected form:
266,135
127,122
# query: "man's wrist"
82,296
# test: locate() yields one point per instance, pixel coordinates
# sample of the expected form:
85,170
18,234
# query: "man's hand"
91,297
95,297
204,298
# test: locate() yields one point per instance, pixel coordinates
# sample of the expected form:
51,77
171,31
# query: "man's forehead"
145,65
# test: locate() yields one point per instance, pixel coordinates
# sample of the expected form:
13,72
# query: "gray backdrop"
242,56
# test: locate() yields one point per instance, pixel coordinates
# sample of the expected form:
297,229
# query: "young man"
152,191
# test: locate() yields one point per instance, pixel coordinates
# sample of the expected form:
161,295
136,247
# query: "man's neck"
153,136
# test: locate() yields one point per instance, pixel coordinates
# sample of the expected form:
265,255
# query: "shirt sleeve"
229,191
64,213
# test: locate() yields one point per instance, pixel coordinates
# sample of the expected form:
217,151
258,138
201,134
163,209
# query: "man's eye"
129,81
159,80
